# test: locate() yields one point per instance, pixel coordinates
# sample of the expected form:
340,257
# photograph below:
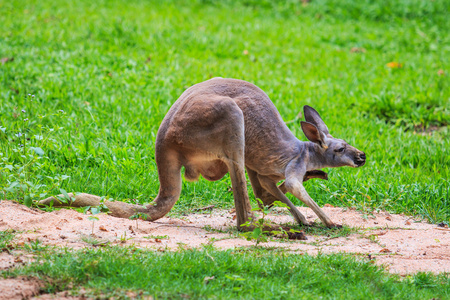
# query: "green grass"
234,274
5,239
104,73
108,71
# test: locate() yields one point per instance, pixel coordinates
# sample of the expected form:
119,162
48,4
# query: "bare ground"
399,243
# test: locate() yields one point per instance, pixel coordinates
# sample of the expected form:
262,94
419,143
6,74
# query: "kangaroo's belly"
211,169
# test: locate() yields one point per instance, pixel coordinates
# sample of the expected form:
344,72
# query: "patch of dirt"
422,130
403,245
29,288
6,261
19,288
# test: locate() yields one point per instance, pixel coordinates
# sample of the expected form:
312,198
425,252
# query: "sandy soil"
399,243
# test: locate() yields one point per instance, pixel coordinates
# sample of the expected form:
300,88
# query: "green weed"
5,238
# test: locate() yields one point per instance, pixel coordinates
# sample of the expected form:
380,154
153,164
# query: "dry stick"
439,228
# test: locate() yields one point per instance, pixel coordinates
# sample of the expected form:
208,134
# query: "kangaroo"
225,126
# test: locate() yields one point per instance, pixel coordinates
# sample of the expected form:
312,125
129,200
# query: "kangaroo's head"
334,152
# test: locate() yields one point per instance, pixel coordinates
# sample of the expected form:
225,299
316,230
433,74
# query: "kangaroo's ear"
314,135
313,117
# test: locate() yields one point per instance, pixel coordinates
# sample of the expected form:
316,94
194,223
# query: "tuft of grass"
93,241
206,273
6,237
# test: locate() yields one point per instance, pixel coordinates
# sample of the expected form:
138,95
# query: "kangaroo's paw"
315,174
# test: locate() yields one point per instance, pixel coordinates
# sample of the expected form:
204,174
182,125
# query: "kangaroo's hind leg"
233,150
260,193
209,134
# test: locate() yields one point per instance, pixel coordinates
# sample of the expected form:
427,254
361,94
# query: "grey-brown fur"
226,126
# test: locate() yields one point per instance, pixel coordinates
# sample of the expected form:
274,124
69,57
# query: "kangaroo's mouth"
360,160
360,163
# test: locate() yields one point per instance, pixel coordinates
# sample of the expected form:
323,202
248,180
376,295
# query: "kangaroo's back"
268,141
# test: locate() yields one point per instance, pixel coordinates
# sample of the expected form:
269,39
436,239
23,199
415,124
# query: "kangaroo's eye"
340,149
